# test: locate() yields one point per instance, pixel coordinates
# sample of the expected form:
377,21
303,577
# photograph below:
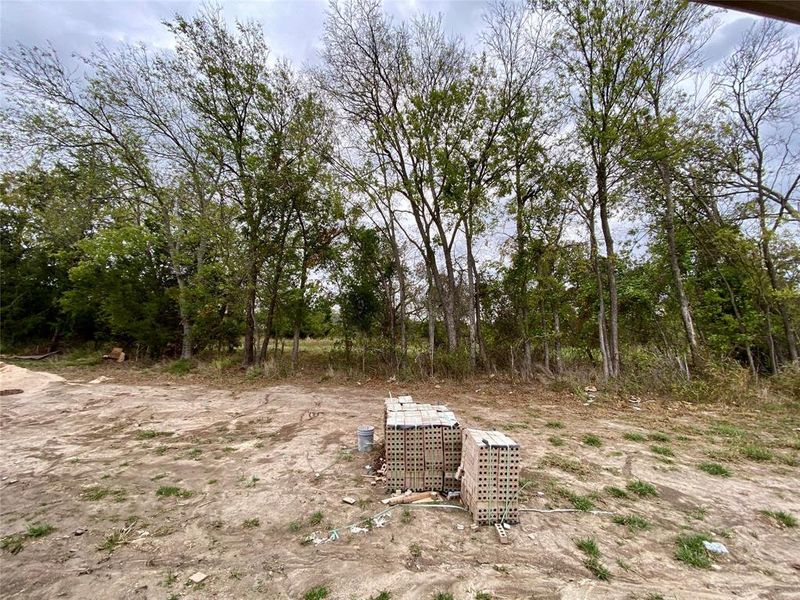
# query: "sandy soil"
281,453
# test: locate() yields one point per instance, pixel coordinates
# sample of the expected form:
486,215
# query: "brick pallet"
422,446
490,462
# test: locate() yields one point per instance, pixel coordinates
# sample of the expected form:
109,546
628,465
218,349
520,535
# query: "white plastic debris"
715,547
357,529
198,577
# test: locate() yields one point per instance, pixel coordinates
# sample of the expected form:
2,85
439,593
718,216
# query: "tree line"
580,182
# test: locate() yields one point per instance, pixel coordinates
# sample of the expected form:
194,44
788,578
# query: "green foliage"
784,519
592,440
714,469
633,522
662,450
36,530
166,491
316,593
690,550
642,488
588,546
634,436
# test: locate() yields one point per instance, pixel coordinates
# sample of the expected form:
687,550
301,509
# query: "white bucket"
365,437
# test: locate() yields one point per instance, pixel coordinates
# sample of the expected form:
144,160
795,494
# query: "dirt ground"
261,460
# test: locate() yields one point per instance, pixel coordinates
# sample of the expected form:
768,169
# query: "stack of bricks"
422,445
489,472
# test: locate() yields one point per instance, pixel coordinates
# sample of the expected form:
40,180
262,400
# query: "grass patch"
295,526
597,568
727,430
96,493
633,522
180,367
317,593
690,550
194,454
443,596
556,440
581,502
563,463
384,595
316,518
784,519
414,550
554,425
111,542
714,469
483,596
757,453
633,436
37,530
251,523
12,543
149,434
588,546
662,450
406,517
642,488
591,439
657,436
166,491
616,492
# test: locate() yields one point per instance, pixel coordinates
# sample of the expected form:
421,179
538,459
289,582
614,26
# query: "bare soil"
89,458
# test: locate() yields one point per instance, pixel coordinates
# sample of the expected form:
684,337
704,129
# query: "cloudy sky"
293,27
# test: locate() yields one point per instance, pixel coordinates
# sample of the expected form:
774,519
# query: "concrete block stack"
422,446
490,463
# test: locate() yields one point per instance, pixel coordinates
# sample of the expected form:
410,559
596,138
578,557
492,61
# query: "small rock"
198,577
715,547
79,531
349,500
474,527
532,536
460,527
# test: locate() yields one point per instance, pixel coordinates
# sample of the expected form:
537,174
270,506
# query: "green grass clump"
95,493
714,469
616,492
12,543
316,518
657,436
295,526
662,450
634,436
317,593
554,425
727,430
641,488
588,546
443,596
483,596
111,542
783,518
757,453
690,550
597,568
591,439
149,434
166,491
563,463
384,595
180,367
633,522
37,530
251,523
556,440
581,502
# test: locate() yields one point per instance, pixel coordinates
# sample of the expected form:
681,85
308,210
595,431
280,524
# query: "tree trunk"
431,325
601,311
557,332
683,301
298,315
602,195
250,314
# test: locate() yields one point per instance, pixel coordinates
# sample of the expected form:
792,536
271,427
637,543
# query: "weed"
406,517
251,481
633,522
714,469
754,452
581,502
690,550
443,596
161,450
597,568
641,488
180,367
556,440
111,542
616,492
657,436
316,593
727,430
316,518
784,519
654,596
228,449
592,440
212,482
554,425
95,493
662,450
165,491
483,596
251,523
295,526
623,565
170,578
37,530
588,546
235,574
194,454
384,595
634,437
12,543
346,455
414,550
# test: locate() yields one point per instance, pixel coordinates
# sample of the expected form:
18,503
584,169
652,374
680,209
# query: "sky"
292,27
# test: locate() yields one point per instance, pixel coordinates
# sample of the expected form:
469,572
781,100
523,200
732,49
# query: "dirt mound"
16,378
